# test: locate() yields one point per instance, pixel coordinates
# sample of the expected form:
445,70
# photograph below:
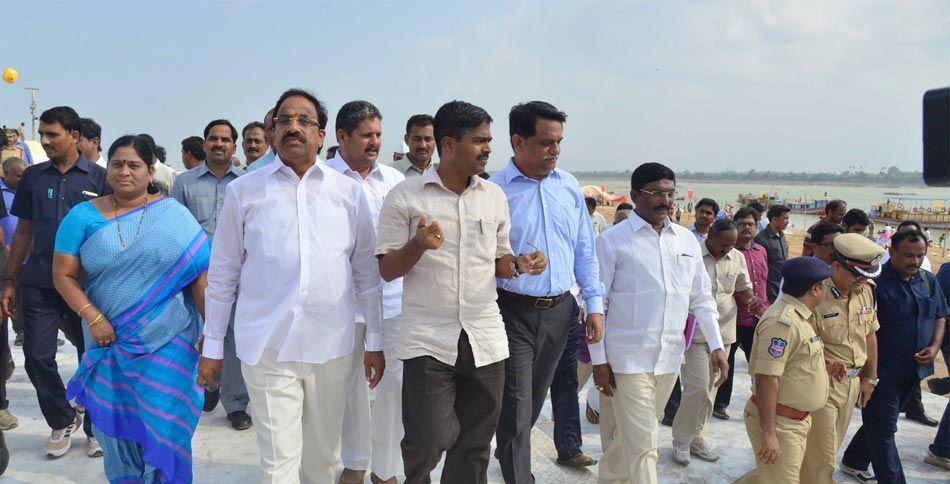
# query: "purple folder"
690,329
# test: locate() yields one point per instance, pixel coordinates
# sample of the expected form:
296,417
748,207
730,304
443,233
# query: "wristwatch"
872,381
518,271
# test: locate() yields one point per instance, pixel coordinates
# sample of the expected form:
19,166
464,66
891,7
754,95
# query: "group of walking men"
450,295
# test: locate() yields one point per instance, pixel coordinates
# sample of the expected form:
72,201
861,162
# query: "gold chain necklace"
118,226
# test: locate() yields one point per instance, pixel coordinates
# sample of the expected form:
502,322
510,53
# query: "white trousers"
297,410
357,446
387,421
629,425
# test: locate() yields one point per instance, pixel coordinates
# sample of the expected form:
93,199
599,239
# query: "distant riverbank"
617,181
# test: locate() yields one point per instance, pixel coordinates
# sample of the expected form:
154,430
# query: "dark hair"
591,202
331,152
91,129
143,145
745,212
456,118
707,201
822,229
908,235
835,205
252,125
65,116
777,211
856,216
222,122
650,172
355,112
757,206
624,206
909,223
420,120
797,288
194,146
523,118
722,225
322,115
160,153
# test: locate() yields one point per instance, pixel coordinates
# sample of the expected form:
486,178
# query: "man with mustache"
421,141
912,313
308,230
452,338
46,192
653,274
369,433
548,213
772,237
705,215
202,191
254,143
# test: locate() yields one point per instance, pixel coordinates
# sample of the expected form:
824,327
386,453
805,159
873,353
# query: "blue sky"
698,85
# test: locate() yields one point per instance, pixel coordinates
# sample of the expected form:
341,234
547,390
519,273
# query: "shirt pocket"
726,281
867,322
834,329
816,357
202,207
481,233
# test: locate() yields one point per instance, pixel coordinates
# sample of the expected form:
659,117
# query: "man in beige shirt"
729,276
446,232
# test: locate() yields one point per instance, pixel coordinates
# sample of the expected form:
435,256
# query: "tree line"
890,175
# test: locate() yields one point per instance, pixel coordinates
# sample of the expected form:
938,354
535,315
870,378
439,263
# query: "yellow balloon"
10,75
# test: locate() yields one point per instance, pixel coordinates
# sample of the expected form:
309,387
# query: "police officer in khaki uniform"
788,374
846,321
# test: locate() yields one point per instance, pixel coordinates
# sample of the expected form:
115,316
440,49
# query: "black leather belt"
537,302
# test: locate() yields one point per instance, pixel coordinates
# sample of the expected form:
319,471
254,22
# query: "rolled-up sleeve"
395,223
502,244
586,270
224,274
366,280
606,263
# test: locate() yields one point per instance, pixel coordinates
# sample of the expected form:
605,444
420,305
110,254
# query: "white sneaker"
93,449
936,460
701,450
681,453
59,440
863,476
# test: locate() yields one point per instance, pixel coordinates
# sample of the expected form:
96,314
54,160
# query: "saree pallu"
142,387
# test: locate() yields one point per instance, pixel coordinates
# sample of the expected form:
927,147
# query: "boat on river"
930,213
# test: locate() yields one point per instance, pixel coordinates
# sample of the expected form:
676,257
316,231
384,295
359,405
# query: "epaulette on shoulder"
787,315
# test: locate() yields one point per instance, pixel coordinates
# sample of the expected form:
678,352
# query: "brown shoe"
579,460
376,480
349,476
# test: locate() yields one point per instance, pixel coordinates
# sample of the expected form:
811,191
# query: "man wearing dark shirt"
773,239
47,191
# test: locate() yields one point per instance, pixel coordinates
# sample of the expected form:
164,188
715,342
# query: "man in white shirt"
452,339
90,142
420,141
653,273
597,220
359,132
309,229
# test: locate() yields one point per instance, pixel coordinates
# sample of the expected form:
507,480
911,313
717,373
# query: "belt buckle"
543,302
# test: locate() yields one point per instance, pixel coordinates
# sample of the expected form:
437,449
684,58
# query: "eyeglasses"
660,193
302,119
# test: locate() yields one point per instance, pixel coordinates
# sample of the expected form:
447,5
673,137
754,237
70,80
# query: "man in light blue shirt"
271,154
548,213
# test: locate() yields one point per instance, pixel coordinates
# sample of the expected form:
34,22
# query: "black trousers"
536,341
451,409
44,312
564,406
744,335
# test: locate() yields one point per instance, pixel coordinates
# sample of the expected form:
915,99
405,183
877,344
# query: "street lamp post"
33,117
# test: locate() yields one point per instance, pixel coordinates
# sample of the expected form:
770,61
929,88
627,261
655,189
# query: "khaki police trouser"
828,426
791,435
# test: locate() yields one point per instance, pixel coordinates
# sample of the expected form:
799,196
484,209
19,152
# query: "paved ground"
224,456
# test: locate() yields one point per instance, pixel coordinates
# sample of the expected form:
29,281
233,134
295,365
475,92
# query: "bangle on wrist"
79,313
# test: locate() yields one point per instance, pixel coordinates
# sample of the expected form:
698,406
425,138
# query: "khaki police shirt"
785,345
844,321
728,276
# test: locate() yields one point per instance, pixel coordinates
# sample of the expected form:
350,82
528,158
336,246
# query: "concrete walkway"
222,455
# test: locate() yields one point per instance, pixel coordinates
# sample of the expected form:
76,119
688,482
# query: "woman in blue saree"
143,260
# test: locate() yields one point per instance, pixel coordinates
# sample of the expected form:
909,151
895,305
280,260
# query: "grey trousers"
536,340
233,391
